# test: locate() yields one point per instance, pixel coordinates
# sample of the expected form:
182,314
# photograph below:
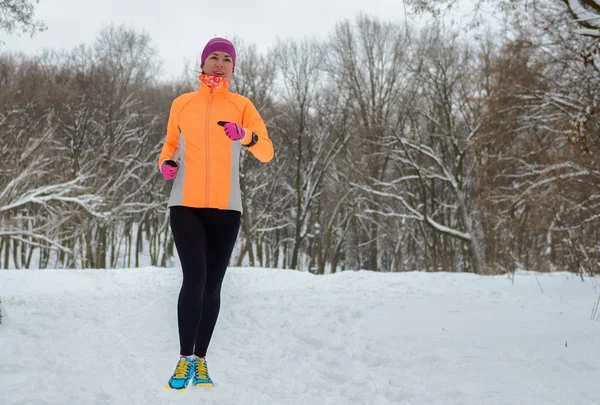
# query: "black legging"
204,238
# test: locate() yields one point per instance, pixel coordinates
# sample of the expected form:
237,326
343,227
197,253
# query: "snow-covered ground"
284,337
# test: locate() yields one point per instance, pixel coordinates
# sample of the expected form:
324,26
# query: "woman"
206,131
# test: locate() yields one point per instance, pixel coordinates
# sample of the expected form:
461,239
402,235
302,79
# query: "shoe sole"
201,385
174,389
205,385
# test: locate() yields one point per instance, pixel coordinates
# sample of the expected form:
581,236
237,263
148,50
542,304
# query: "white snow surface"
109,337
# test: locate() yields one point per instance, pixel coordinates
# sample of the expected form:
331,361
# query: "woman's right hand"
168,169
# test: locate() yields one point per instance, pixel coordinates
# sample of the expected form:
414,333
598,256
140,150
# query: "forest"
397,148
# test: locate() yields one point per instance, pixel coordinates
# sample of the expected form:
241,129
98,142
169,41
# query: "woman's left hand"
233,130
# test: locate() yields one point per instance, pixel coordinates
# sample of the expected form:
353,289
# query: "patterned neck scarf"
213,82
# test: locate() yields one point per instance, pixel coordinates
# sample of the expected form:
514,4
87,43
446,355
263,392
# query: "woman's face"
218,64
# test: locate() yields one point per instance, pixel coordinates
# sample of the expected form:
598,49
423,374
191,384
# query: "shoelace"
182,369
201,370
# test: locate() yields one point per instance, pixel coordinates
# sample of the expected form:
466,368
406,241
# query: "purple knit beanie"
218,45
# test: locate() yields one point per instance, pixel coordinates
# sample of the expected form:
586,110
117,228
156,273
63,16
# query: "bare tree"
584,13
33,189
543,203
126,64
84,142
430,183
368,61
312,146
19,15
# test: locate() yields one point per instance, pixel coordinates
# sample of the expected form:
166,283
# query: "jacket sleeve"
253,123
172,138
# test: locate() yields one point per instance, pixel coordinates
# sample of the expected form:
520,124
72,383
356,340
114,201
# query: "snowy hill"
285,337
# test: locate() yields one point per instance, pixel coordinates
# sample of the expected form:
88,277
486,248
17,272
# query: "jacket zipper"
207,146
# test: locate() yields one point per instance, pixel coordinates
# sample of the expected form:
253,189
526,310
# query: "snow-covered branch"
58,193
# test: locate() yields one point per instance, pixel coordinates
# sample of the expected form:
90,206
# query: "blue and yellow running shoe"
201,377
183,374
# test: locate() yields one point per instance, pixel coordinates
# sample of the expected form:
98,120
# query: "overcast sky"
180,28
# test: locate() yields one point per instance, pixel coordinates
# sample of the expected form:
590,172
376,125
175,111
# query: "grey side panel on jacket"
176,197
235,196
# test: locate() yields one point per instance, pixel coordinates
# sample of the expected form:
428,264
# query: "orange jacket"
208,174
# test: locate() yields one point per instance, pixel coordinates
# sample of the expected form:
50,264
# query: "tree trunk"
477,259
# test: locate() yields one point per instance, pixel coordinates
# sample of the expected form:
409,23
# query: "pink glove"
233,130
168,169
